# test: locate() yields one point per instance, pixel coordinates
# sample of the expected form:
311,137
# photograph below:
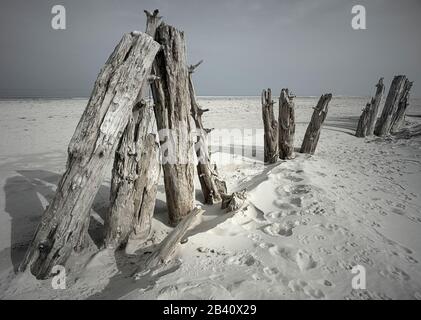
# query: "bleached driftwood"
90,150
398,119
361,131
286,123
369,115
212,185
374,107
136,170
134,182
384,123
172,111
270,126
314,128
168,246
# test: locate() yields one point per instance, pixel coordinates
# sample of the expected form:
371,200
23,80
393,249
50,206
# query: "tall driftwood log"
172,111
134,181
212,185
93,144
314,128
136,171
384,123
369,115
374,107
286,123
398,119
270,127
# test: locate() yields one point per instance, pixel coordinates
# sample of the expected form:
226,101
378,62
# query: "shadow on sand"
346,125
27,194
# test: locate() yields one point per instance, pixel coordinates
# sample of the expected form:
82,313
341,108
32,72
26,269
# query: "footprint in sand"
304,260
246,260
270,271
281,252
303,239
302,286
285,229
395,273
274,216
325,251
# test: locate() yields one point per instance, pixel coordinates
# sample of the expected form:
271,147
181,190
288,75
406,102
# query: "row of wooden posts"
118,124
392,117
279,135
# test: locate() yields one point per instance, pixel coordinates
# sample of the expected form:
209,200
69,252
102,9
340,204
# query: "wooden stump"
136,171
93,144
370,112
374,107
314,128
134,182
212,185
172,111
363,122
398,119
270,126
384,123
286,123
234,202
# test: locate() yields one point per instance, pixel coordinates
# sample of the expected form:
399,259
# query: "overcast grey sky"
306,45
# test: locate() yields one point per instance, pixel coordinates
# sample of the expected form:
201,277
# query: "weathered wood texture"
169,245
153,20
211,183
136,170
172,111
314,128
384,123
134,181
234,202
398,119
361,131
93,144
374,107
369,115
286,123
270,127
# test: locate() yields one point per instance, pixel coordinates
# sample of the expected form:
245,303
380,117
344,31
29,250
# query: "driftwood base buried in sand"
314,128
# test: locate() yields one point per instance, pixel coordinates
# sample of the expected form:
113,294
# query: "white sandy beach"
308,221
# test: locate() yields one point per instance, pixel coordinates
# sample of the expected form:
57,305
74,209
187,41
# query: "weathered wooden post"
172,111
398,119
369,115
90,150
361,131
136,171
212,185
286,123
134,181
312,135
374,107
384,123
270,126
